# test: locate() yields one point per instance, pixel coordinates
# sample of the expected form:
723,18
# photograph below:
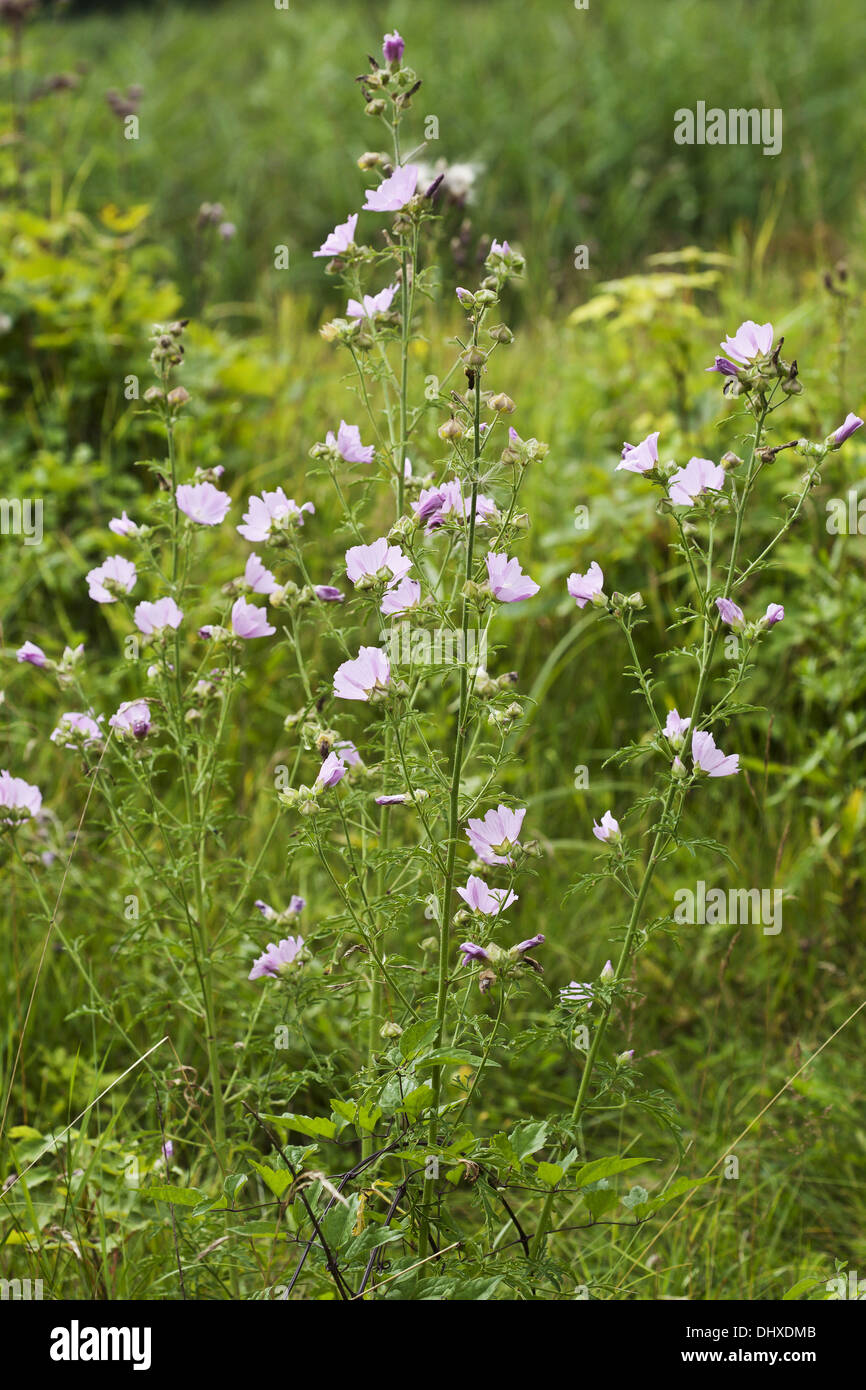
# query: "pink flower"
640,458
295,907
348,444
472,952
675,728
384,563
507,581
393,193
349,753
257,577
731,614
846,429
774,614
392,47
272,511
19,797
480,898
585,588
326,593
132,717
76,730
122,526
203,503
711,759
368,673
332,771
608,831
434,504
494,837
396,799
340,239
751,340
277,959
499,248
154,618
401,597
690,482
114,576
577,993
248,620
30,652
372,304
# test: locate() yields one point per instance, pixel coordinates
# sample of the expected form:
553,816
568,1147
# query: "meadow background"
568,117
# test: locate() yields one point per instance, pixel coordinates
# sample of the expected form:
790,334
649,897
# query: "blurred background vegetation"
566,119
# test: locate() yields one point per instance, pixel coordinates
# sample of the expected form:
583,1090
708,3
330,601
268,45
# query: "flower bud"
452,429
501,403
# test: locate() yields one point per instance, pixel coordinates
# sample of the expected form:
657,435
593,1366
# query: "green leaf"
605,1168
277,1179
313,1126
416,1101
525,1139
178,1196
450,1057
550,1173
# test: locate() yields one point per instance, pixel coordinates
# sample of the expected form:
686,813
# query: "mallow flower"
849,425
154,618
32,654
332,771
18,799
122,526
675,728
115,576
132,718
640,458
368,674
495,954
585,588
392,47
340,239
202,503
271,512
488,901
248,620
433,505
710,759
608,830
379,562
257,577
688,483
371,304
774,614
347,443
393,193
507,581
401,598
75,730
276,960
750,341
494,837
730,614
